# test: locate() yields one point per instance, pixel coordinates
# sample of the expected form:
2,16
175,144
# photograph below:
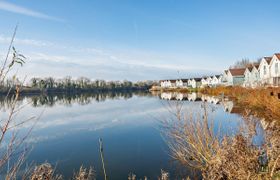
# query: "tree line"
69,84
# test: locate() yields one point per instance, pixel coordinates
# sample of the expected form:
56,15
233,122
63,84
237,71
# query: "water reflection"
228,105
68,99
67,134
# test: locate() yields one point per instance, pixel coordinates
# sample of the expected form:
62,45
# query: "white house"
195,82
204,82
165,83
252,76
264,70
235,76
189,82
209,80
179,83
216,80
224,78
275,69
185,82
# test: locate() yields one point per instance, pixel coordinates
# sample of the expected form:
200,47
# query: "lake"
67,132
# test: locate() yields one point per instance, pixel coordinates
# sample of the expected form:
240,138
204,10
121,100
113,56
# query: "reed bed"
261,102
194,143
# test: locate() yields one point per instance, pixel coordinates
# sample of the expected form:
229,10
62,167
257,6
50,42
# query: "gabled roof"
250,68
277,55
185,80
197,79
257,65
226,71
268,59
237,72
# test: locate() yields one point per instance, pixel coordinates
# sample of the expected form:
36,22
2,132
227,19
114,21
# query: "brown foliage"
261,102
194,144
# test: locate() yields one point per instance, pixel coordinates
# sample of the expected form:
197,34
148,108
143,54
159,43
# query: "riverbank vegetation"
195,143
261,102
191,137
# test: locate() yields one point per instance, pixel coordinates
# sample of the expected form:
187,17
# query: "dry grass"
193,143
47,172
259,101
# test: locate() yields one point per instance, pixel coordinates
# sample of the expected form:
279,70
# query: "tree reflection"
70,98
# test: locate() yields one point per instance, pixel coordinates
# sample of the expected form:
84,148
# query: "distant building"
252,76
224,78
204,82
195,82
275,70
235,76
264,70
216,80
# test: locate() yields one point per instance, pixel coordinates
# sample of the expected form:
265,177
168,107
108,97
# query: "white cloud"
53,59
7,6
28,42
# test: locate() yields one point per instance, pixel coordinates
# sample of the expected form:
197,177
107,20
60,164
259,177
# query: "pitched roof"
237,72
185,80
256,65
250,68
277,55
268,59
197,79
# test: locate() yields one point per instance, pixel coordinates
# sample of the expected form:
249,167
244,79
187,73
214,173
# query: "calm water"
67,133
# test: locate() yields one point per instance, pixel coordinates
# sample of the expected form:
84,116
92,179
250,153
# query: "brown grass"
193,143
260,101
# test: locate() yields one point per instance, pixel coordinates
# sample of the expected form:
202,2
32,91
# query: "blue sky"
137,40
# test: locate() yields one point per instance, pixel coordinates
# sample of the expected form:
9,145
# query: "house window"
276,68
264,70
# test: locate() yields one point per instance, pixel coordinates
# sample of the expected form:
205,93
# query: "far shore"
46,91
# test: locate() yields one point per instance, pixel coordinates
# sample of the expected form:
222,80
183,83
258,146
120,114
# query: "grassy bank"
262,102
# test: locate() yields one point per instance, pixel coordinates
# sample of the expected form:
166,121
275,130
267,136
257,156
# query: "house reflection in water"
227,105
174,96
210,99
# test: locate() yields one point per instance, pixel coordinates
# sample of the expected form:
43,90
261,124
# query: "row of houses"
264,73
192,82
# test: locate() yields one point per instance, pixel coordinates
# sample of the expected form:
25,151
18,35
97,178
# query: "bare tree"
243,63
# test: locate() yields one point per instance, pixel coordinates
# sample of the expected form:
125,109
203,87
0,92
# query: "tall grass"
261,102
194,143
